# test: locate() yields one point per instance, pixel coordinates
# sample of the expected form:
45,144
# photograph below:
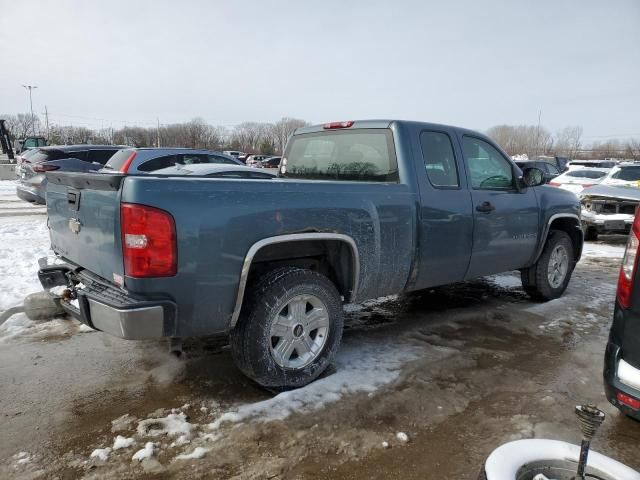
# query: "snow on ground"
172,425
147,452
24,240
8,189
507,280
198,452
122,442
601,250
101,454
361,367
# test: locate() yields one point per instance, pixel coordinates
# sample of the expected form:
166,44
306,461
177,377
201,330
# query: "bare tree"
282,130
568,141
632,149
522,139
20,125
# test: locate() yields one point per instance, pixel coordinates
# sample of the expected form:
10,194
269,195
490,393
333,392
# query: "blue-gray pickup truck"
358,210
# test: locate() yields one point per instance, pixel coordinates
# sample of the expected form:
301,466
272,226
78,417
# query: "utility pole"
538,133
46,119
33,123
158,133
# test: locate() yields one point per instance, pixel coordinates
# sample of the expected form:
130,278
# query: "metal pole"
158,133
33,123
590,418
46,118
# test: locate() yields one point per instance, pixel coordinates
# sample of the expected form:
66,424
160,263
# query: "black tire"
251,339
590,234
535,280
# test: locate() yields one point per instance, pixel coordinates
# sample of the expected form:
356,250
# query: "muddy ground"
459,370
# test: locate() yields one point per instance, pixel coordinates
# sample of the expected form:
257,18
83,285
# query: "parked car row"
255,160
33,164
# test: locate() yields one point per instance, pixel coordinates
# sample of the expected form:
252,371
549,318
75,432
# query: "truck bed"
217,222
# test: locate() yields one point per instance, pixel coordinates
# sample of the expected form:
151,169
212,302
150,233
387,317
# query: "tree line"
271,138
251,137
533,141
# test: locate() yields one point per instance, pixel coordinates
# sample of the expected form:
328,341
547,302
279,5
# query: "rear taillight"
334,125
628,400
587,185
629,265
127,163
43,167
148,241
555,184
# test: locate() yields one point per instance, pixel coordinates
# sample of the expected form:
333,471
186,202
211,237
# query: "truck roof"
385,123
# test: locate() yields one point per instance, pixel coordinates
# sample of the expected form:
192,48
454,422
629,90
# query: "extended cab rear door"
505,230
446,218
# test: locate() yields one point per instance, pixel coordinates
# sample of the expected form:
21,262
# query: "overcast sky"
468,63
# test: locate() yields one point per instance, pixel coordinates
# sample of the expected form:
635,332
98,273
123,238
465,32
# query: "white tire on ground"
506,461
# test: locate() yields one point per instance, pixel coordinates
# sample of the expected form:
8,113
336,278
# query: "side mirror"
533,177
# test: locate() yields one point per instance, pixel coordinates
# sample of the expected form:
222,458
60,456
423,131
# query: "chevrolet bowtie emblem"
74,225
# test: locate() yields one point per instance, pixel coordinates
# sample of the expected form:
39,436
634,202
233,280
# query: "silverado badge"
74,225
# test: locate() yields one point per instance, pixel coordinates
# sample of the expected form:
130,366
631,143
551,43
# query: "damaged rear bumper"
107,307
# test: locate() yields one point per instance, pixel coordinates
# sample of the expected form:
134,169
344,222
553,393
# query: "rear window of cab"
361,155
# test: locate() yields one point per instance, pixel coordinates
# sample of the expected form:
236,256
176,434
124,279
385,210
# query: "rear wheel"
548,278
289,330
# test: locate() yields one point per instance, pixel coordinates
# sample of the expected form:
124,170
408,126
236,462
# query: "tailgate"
84,221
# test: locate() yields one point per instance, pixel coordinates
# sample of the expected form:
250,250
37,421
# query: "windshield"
365,155
593,174
34,142
118,159
630,174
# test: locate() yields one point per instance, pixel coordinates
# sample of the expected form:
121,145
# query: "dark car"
622,356
72,158
549,170
271,162
145,160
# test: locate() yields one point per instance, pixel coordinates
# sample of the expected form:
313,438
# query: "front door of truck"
505,218
446,219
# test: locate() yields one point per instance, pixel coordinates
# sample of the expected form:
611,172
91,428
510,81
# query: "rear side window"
81,155
100,156
439,160
364,155
117,159
47,155
158,163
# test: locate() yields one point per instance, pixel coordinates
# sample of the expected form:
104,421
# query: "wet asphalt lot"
487,366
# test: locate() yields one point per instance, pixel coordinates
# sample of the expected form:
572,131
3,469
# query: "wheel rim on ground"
299,331
558,266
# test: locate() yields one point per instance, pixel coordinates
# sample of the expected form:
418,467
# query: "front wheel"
548,278
289,329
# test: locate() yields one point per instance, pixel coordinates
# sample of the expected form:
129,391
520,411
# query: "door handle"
485,207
